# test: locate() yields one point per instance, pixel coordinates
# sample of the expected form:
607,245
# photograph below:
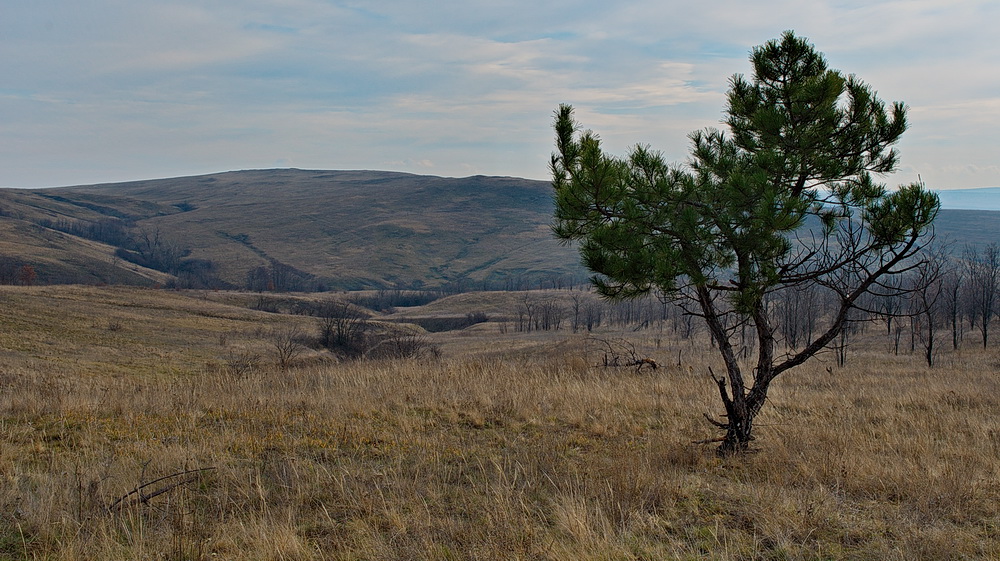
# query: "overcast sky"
115,90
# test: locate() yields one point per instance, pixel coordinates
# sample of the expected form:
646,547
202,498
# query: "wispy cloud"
110,90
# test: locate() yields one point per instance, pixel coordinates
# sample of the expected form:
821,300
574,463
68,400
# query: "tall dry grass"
492,456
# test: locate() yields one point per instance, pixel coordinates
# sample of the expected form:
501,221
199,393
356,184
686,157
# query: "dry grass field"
142,424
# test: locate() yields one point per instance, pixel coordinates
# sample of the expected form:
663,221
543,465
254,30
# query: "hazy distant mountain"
299,229
987,198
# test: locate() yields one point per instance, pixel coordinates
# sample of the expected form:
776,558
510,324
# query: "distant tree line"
112,231
281,277
387,300
939,303
504,283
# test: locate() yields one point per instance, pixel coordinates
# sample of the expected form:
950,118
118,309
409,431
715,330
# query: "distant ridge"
985,198
292,229
333,229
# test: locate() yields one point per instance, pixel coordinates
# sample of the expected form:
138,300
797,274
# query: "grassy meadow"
150,424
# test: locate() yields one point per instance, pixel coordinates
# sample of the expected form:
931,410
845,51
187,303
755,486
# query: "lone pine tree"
785,199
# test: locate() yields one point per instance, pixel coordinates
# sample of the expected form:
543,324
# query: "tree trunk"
738,434
739,417
929,346
739,420
954,331
741,412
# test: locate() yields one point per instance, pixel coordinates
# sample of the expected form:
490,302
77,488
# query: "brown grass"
485,455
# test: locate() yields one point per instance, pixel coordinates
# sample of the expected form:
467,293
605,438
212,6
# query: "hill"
315,229
310,229
967,227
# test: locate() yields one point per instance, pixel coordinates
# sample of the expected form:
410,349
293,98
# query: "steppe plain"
141,423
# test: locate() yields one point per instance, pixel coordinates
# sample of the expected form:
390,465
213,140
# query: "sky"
117,90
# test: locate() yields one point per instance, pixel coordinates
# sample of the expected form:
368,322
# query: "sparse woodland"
151,424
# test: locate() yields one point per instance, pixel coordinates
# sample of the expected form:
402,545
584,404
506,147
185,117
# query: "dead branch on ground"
140,496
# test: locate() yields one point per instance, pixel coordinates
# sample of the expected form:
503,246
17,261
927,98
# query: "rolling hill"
310,229
336,229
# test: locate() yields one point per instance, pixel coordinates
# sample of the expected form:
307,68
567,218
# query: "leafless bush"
342,328
241,362
266,304
286,342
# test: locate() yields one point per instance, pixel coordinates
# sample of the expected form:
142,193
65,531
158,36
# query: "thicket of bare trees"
539,314
941,299
346,330
983,274
15,271
938,303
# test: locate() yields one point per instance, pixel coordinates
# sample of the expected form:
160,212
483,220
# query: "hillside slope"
57,257
340,229
300,229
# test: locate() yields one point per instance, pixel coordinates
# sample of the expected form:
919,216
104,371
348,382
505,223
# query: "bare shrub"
242,362
343,328
265,304
620,353
286,342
